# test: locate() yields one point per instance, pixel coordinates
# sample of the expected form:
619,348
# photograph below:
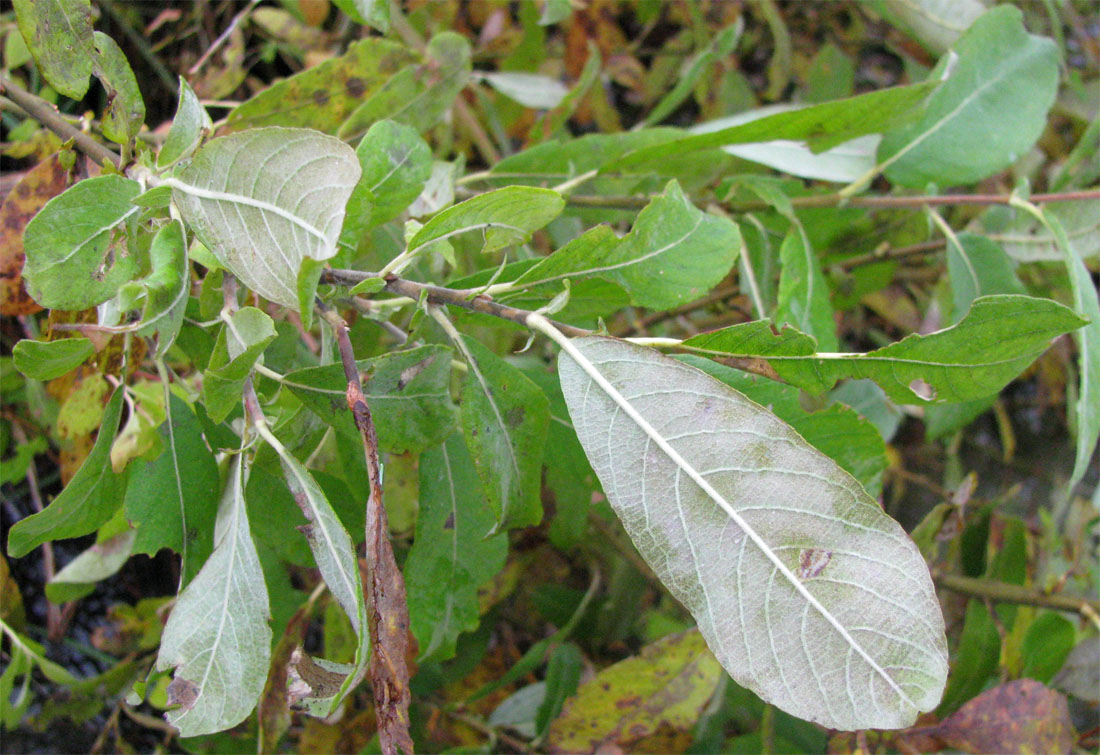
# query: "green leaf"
77,255
986,115
125,112
665,688
831,75
563,675
408,393
173,500
830,613
451,559
674,254
803,292
373,13
823,126
504,419
282,202
507,216
239,345
1047,644
336,559
396,165
217,638
102,560
322,97
89,500
418,95
1027,240
189,125
531,90
166,288
46,360
978,267
995,342
15,467
309,275
719,47
59,35
551,122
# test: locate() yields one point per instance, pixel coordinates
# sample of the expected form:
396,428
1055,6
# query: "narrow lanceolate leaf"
125,111
46,360
674,253
823,126
805,590
164,291
803,292
282,201
335,556
217,638
450,558
76,249
91,497
173,500
506,216
504,418
995,342
987,114
59,35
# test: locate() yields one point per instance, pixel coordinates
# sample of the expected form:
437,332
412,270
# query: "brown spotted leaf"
322,97
641,704
43,182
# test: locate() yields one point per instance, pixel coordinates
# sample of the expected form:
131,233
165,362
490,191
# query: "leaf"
823,126
552,121
720,46
1027,240
59,35
323,96
408,392
102,560
995,342
978,267
507,216
986,115
831,75
217,638
531,90
165,289
266,199
46,360
1085,302
629,706
504,419
240,344
936,24
41,183
811,597
173,500
77,257
451,559
563,675
1046,645
90,499
674,254
336,559
419,95
396,165
374,13
190,124
836,431
803,292
125,112
1020,716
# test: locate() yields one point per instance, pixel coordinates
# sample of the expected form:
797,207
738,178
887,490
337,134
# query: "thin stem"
1002,592
222,37
47,115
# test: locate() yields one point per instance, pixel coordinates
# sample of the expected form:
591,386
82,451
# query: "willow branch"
387,607
471,300
47,115
1001,592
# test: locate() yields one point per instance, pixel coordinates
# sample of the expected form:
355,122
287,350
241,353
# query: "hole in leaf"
922,389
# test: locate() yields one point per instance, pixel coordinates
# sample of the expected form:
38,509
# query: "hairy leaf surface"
805,590
217,637
266,199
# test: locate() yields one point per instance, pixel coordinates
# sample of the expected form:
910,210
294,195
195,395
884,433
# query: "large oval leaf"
805,590
265,199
